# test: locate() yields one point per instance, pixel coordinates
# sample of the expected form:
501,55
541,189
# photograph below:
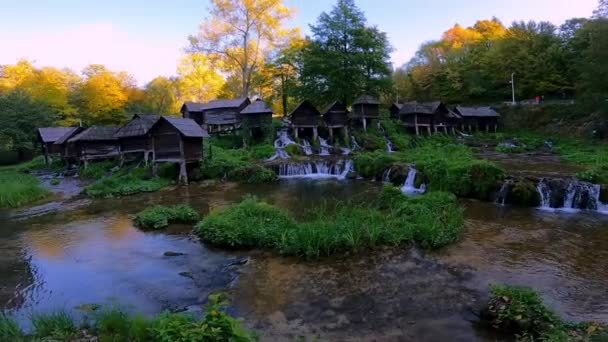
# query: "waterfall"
545,195
578,195
386,176
501,197
324,147
306,147
389,143
318,169
409,187
353,142
345,151
283,140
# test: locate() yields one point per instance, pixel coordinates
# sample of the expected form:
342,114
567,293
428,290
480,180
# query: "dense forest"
244,48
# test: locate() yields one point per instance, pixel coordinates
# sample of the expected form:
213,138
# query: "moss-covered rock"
253,174
372,165
294,150
398,173
524,193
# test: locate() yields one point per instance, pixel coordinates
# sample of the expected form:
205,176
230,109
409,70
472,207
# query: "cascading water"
389,143
282,141
353,142
318,169
324,147
577,195
386,176
409,187
306,147
501,196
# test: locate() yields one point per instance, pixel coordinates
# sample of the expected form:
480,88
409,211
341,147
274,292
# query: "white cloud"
101,43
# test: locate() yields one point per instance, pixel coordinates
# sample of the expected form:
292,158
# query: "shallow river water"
88,252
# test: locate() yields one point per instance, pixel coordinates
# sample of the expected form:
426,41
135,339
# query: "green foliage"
294,150
55,181
373,164
119,184
161,216
97,170
238,164
20,116
58,325
253,174
115,325
345,58
19,189
524,193
520,311
432,220
9,329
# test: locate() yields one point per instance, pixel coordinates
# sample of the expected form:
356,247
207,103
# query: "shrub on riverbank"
116,325
433,220
161,216
18,189
238,164
120,184
520,311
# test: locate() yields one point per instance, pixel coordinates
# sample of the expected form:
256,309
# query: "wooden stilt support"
183,173
295,132
417,130
365,124
315,134
428,129
331,134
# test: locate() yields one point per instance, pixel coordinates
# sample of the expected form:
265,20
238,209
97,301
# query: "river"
79,252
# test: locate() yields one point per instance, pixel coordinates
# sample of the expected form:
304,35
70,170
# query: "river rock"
186,275
604,193
351,175
399,173
173,254
524,193
558,192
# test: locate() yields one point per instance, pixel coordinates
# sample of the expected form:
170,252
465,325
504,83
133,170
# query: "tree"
13,76
103,96
160,95
199,81
602,10
242,33
345,58
20,116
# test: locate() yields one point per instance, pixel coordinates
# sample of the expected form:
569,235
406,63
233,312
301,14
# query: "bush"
520,311
19,189
59,325
373,164
124,185
432,220
160,216
253,174
294,150
9,329
524,193
97,170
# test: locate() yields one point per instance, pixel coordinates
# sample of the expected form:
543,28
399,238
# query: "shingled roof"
138,126
257,107
366,99
304,104
420,108
477,111
95,133
187,127
336,106
64,138
223,103
52,134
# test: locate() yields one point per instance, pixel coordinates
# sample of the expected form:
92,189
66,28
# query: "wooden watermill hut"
95,143
218,116
256,117
394,110
478,118
47,136
430,116
305,117
134,138
177,140
68,151
366,108
335,116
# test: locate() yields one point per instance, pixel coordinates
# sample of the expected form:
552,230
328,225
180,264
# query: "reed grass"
161,216
17,189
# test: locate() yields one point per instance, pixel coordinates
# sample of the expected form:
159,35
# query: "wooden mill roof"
420,108
215,104
303,105
95,133
186,127
366,99
397,105
68,135
335,107
138,126
52,134
257,107
476,111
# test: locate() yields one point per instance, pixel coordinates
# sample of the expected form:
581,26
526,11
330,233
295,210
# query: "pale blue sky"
146,37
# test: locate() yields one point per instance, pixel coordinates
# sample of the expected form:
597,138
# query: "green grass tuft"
18,189
433,220
123,185
59,325
160,216
10,330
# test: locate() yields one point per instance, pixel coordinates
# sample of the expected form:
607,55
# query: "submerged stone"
173,254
